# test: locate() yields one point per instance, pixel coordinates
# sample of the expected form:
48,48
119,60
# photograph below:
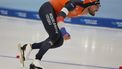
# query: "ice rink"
89,48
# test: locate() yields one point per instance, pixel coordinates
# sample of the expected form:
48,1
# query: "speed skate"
21,55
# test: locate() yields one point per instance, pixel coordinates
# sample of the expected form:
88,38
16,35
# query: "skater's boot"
36,64
26,49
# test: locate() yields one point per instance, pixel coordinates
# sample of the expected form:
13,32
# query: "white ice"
89,48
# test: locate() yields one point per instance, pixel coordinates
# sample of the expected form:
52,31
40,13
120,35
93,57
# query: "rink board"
91,21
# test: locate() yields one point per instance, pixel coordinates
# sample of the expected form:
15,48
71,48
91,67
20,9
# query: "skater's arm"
69,6
60,19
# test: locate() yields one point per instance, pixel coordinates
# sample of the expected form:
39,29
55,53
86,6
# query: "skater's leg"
43,49
48,17
55,45
58,43
37,45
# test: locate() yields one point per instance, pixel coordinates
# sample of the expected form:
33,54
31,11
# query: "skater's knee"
58,43
55,38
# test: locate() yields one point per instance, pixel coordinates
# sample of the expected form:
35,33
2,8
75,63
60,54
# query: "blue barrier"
95,21
92,21
19,13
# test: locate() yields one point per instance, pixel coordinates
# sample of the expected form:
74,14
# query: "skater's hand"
67,36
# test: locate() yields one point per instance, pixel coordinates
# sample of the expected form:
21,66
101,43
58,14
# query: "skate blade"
21,55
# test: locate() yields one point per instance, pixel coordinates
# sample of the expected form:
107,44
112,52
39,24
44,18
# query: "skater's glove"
65,34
